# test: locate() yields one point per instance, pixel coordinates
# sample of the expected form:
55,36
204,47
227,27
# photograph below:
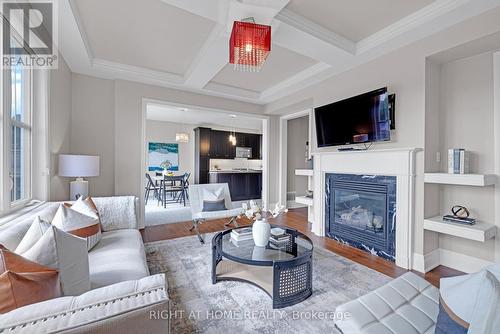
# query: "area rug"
198,306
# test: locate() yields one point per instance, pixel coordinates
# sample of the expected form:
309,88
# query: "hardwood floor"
297,219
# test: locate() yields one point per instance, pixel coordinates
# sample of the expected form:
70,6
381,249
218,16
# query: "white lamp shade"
78,165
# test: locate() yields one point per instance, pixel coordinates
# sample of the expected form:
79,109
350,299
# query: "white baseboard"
425,263
468,264
462,262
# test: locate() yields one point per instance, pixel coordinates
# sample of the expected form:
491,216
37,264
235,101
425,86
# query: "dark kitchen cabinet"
242,186
202,155
220,146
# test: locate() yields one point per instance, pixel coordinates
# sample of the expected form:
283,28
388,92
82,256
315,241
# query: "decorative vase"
261,231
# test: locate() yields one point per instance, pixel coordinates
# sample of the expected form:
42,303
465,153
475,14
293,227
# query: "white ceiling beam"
210,60
307,26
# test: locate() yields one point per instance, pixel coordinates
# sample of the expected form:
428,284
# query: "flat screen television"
360,119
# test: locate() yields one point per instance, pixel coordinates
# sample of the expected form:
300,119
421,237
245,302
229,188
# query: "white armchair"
200,194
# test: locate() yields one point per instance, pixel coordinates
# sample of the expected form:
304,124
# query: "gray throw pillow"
218,205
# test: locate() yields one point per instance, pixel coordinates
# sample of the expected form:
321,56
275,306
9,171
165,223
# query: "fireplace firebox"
361,212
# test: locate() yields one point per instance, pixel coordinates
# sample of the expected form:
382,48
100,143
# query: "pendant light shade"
249,46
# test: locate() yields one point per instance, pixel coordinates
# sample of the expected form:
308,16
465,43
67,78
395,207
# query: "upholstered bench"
408,304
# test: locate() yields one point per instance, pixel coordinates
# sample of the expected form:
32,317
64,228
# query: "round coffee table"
284,273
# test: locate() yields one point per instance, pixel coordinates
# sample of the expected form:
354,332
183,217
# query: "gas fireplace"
361,212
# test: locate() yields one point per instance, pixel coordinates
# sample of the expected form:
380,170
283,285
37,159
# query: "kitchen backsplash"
227,164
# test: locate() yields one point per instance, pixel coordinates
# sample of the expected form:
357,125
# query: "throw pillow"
218,205
66,253
34,233
212,194
84,223
23,282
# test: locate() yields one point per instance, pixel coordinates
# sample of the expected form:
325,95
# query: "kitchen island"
244,184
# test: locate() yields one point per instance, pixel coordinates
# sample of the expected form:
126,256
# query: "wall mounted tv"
360,119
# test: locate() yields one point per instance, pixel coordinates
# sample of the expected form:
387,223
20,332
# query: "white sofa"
124,298
407,305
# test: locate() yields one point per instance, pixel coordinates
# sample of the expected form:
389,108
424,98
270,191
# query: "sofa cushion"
119,256
408,304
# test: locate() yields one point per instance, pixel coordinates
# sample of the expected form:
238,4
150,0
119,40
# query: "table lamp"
78,166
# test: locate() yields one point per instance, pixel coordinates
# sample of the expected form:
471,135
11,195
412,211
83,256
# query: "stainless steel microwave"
244,152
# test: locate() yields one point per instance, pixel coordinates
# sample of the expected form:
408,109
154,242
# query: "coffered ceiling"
184,44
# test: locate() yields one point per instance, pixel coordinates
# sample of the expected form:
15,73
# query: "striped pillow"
79,220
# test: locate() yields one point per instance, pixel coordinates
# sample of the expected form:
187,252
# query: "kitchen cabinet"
220,146
242,185
202,155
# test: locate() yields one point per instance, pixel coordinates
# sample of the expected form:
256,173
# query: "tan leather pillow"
23,282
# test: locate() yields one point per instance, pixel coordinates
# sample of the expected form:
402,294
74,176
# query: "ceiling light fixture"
181,137
249,45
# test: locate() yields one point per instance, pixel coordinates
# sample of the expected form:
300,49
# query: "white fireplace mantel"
399,162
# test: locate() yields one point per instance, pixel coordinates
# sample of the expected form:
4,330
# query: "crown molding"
297,21
408,23
270,94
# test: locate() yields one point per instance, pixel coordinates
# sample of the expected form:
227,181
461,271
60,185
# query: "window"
19,157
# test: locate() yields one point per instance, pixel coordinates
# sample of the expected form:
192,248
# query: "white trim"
496,140
425,263
297,21
462,262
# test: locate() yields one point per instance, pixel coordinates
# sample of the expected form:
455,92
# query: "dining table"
172,181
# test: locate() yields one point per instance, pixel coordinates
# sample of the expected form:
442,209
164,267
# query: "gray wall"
466,121
92,128
297,136
59,127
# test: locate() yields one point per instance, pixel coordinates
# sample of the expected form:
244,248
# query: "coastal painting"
163,156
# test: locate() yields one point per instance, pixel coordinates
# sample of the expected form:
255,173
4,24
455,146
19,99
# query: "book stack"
241,234
278,238
458,161
460,220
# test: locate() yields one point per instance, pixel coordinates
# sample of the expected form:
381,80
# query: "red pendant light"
249,46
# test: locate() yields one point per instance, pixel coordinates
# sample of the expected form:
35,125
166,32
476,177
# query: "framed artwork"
161,155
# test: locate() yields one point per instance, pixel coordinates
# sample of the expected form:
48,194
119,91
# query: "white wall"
92,128
164,132
59,127
297,136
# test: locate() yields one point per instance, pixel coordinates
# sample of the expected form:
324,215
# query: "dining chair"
176,192
151,186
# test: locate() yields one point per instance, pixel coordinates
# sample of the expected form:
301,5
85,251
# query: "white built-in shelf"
304,200
480,231
478,180
304,172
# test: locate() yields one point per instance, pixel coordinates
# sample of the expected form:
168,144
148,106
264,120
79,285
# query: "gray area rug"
198,306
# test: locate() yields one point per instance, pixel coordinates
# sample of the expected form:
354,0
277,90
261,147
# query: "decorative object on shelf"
158,153
78,166
460,214
458,161
249,45
261,229
182,137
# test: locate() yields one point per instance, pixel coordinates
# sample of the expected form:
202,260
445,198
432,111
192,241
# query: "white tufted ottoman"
407,305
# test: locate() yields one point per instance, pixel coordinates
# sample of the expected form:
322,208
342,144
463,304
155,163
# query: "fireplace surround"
360,210
396,162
